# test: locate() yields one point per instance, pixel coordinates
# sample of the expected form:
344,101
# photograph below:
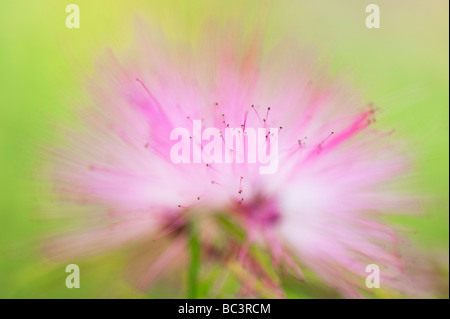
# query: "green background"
401,67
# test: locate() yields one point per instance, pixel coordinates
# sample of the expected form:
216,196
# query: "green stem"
194,266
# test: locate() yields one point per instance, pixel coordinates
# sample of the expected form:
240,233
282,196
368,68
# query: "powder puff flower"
320,209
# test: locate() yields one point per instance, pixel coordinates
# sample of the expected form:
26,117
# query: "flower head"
319,209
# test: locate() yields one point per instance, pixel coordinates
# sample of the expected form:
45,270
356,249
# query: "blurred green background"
402,67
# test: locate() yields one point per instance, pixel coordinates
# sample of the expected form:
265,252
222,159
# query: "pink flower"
321,209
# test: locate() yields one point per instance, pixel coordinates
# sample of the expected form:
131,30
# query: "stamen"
257,114
158,106
326,138
267,114
245,120
320,147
